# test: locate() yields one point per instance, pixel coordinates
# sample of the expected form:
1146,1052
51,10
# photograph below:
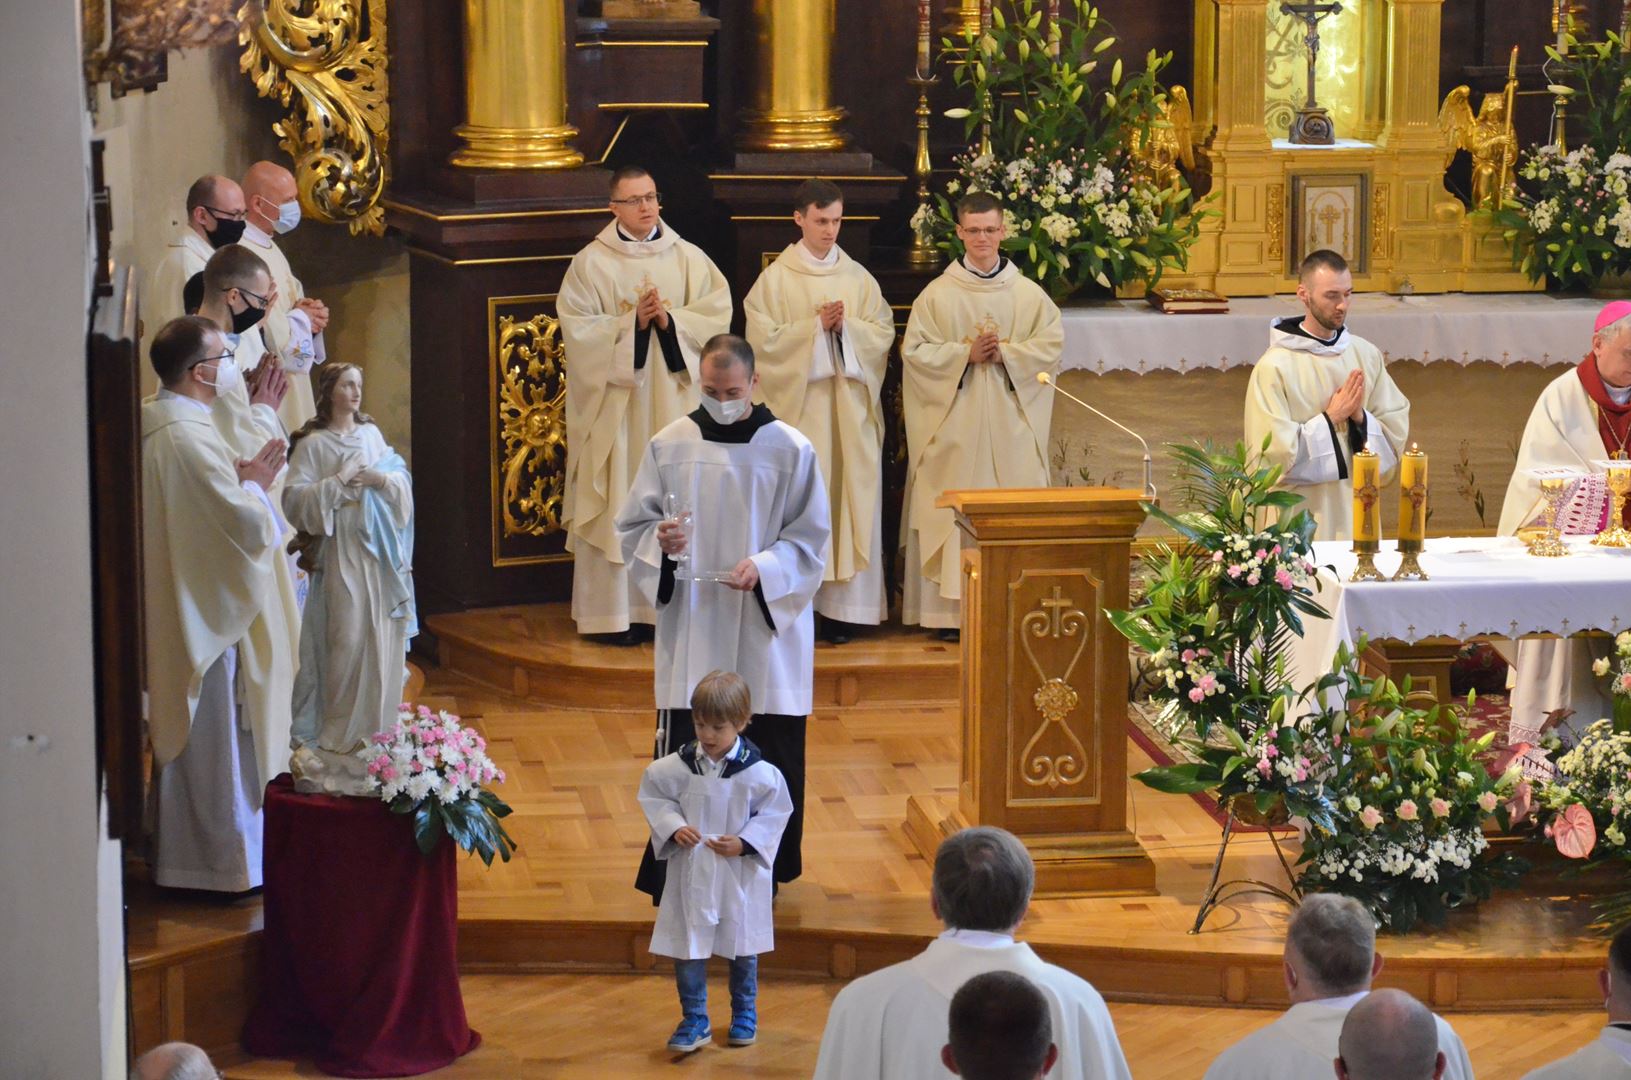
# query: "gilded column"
515,87
1241,28
1413,100
963,17
792,92
1373,71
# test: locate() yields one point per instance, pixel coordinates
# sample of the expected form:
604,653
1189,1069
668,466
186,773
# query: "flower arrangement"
1585,808
1617,669
1076,205
1409,842
1571,218
1215,621
431,766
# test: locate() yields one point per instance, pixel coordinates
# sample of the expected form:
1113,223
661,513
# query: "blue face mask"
288,216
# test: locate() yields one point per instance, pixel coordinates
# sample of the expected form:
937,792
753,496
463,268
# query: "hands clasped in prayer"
671,538
832,316
1348,403
315,310
986,349
651,310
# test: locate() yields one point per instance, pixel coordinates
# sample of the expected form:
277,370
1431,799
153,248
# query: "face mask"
249,316
725,412
288,216
227,376
226,232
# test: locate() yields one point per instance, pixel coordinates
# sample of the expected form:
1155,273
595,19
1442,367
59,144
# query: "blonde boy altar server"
976,417
821,332
1322,394
635,308
717,810
216,635
294,322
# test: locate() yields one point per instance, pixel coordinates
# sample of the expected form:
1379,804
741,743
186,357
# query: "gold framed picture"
1330,210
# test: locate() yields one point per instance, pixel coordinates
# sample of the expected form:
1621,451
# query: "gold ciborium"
1549,543
1614,534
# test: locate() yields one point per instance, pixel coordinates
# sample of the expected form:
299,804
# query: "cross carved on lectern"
1311,13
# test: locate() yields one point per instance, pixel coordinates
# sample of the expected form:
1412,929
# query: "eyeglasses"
653,199
260,301
986,230
229,215
207,359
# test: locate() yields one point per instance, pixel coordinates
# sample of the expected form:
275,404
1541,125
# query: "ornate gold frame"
527,410
335,59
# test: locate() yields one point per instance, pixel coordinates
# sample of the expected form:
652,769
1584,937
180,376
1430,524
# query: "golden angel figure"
1168,142
1488,137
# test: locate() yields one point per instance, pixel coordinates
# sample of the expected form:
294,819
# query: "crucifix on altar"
1312,125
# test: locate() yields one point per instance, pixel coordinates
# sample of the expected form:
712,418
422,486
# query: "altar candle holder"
1412,514
1613,534
1367,516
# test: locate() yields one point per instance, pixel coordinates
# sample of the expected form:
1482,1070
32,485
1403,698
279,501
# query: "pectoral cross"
1312,124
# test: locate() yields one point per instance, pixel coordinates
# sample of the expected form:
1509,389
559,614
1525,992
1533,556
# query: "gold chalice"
1550,543
1619,486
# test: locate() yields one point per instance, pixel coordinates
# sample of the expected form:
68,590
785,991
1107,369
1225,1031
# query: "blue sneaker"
743,1031
693,1033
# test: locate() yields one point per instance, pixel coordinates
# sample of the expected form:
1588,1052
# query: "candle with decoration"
1412,514
924,30
1367,514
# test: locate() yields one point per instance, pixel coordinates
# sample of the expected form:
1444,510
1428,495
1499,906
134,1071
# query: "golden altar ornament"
1168,142
1614,534
1549,544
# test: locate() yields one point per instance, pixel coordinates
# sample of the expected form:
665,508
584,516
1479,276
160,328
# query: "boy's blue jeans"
691,977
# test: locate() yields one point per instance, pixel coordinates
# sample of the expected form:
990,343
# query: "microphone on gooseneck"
1149,467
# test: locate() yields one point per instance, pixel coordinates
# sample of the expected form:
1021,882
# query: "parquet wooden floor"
576,1027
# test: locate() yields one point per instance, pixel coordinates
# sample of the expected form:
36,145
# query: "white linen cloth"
1461,328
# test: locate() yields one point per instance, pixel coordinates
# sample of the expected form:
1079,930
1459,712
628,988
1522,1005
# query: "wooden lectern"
1044,695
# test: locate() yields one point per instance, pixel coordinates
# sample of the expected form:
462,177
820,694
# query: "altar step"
535,652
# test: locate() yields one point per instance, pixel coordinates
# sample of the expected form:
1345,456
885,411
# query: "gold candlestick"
1614,534
1412,514
1549,544
920,253
1367,515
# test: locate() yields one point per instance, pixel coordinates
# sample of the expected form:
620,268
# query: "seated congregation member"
220,667
758,526
1608,1057
1000,1030
717,810
893,1023
351,498
1390,1036
975,415
1583,415
215,219
1320,395
821,332
174,1061
1330,960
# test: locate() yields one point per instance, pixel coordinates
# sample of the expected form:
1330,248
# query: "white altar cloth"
1479,585
1461,328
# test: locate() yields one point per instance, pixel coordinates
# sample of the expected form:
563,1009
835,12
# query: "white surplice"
1555,673
1608,1057
764,499
715,905
827,385
359,613
287,332
969,425
616,401
891,1024
1285,401
210,549
162,298
1302,1042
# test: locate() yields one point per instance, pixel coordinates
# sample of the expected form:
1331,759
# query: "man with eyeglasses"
976,417
220,654
635,308
215,219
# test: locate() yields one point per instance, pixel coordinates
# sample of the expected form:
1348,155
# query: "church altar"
1461,328
1476,585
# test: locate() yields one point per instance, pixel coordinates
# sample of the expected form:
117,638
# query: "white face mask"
725,412
227,376
288,216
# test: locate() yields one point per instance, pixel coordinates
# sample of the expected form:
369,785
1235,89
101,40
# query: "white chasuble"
891,1024
287,332
1302,1042
210,554
1285,401
827,385
360,612
623,385
1555,673
759,495
712,904
970,425
162,300
1606,1058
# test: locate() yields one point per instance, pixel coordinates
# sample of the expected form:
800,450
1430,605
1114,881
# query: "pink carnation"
1197,695
1208,681
1282,577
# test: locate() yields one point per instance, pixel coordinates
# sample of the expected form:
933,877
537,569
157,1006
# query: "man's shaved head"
270,181
1389,1035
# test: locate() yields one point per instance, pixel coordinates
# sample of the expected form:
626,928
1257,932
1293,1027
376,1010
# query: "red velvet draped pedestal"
359,969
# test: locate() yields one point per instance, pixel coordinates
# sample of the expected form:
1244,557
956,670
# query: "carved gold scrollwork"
332,54
143,32
1276,213
1058,618
532,424
1379,222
